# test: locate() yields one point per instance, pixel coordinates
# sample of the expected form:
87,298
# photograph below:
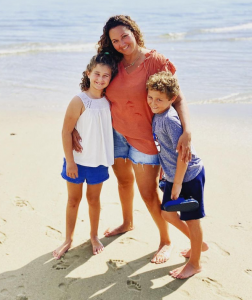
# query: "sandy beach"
32,218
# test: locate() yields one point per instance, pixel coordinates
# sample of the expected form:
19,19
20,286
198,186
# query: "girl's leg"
193,265
74,198
125,177
147,180
93,198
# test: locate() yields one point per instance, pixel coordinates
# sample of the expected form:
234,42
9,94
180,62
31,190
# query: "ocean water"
45,46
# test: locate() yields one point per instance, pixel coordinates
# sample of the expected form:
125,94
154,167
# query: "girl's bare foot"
163,254
187,252
118,230
185,271
57,253
97,245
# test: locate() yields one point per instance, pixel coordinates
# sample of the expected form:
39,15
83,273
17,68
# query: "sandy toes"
187,252
118,230
57,253
163,254
185,271
97,245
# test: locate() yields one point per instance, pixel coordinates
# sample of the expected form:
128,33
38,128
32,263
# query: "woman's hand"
176,189
76,141
72,170
184,143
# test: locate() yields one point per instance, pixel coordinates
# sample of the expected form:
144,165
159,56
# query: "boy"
185,179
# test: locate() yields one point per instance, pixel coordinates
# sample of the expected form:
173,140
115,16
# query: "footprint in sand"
2,237
65,263
116,264
4,292
54,233
218,289
218,249
129,240
133,285
2,221
248,271
23,204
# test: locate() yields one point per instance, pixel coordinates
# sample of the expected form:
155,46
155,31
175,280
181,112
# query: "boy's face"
158,102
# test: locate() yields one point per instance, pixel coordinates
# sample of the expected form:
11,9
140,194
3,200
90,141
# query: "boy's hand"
72,170
184,143
76,141
176,189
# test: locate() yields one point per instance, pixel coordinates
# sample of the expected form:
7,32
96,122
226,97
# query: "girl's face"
99,77
123,40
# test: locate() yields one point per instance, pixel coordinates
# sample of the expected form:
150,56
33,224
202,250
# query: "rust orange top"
131,115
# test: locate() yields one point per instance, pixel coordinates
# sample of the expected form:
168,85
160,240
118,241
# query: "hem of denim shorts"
98,181
69,180
200,217
136,163
121,157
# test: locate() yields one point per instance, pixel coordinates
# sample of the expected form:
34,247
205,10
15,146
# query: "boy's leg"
193,265
93,198
74,198
174,219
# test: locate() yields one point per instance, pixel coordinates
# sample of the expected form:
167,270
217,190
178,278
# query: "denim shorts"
123,149
92,175
194,189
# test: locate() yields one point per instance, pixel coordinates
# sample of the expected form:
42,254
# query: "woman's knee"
170,217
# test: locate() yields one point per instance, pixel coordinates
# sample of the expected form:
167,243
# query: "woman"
135,151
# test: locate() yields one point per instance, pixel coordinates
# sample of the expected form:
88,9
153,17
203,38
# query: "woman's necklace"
132,64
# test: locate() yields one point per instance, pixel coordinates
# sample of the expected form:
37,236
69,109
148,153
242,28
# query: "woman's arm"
73,113
184,142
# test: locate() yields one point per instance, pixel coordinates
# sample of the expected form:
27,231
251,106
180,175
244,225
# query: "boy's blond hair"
164,82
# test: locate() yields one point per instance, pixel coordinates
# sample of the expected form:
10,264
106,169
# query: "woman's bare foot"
97,245
185,271
118,230
163,254
187,252
57,253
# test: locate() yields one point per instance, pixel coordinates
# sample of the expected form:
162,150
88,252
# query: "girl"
89,113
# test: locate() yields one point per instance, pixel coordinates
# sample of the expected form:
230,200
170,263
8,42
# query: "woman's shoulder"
158,62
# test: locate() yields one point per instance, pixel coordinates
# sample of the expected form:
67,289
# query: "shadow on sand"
46,279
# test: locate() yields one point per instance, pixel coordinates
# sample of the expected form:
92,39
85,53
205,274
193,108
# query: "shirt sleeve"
174,129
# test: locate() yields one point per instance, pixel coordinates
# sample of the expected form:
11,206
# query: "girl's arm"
184,142
179,176
74,110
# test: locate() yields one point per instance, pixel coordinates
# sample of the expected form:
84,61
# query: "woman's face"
123,40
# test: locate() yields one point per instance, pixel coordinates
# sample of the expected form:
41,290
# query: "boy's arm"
184,142
179,176
73,112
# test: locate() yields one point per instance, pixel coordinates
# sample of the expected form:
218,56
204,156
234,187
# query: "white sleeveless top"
95,128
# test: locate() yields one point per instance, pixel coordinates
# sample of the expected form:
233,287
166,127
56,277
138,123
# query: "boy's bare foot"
185,271
163,254
118,230
57,253
97,245
187,252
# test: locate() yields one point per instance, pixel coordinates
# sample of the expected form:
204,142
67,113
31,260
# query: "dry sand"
32,218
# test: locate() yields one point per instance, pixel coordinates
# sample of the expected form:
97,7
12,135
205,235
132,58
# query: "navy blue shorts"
194,189
92,175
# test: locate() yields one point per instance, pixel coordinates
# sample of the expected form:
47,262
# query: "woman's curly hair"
105,44
103,58
163,82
